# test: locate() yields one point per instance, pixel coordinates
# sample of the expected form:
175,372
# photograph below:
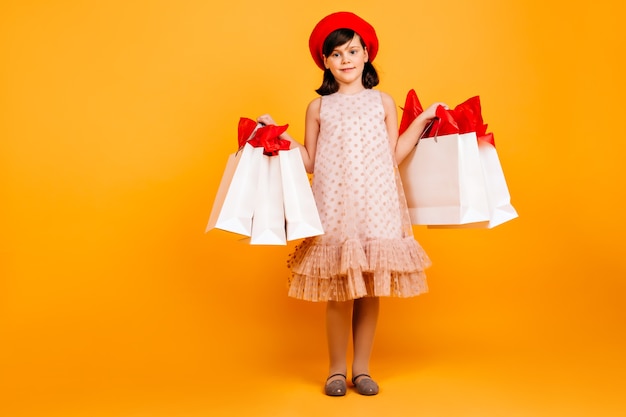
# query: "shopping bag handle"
427,130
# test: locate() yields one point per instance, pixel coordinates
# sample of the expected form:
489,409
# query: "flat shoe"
336,388
365,385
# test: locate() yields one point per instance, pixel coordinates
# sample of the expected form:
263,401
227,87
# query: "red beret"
341,20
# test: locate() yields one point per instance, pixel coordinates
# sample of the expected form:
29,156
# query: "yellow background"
116,119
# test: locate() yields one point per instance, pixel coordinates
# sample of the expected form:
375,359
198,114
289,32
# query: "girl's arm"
403,145
311,130
409,138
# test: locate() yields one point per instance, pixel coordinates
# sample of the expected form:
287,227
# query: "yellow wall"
116,119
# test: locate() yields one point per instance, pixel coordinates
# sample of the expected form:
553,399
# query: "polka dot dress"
368,247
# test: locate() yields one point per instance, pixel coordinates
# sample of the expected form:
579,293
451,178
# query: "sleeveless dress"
367,248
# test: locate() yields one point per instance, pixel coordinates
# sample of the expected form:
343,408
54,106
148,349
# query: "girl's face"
346,62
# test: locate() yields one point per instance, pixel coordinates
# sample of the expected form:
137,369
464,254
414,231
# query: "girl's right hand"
266,119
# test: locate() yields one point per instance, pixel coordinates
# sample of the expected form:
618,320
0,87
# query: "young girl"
351,145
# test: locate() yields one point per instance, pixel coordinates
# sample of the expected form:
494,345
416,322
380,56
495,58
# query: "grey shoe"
365,385
336,388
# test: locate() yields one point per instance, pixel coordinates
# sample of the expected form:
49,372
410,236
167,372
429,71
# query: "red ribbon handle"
464,118
261,136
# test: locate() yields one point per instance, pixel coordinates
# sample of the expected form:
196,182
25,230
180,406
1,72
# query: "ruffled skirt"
355,269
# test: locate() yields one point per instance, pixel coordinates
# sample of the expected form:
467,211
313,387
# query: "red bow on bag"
266,137
444,124
464,118
469,118
412,108
245,130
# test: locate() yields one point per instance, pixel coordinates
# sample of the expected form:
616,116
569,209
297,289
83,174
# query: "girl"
351,145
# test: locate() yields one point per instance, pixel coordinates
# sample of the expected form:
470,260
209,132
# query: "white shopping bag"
443,181
500,208
233,206
300,209
268,220
499,199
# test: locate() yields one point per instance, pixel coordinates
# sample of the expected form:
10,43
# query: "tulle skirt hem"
377,268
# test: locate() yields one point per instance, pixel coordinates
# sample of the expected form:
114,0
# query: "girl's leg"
338,334
364,320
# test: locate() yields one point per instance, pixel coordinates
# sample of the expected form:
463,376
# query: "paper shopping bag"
498,197
500,208
268,220
233,206
300,209
443,181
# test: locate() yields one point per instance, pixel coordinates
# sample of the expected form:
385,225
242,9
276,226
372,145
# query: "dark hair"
335,39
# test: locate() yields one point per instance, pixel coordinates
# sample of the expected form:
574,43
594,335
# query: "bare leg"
364,320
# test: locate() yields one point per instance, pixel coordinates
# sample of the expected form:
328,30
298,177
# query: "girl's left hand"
431,112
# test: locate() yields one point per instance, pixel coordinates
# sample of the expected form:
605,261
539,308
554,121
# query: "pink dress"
367,248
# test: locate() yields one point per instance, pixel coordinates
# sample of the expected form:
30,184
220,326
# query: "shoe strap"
354,378
334,375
